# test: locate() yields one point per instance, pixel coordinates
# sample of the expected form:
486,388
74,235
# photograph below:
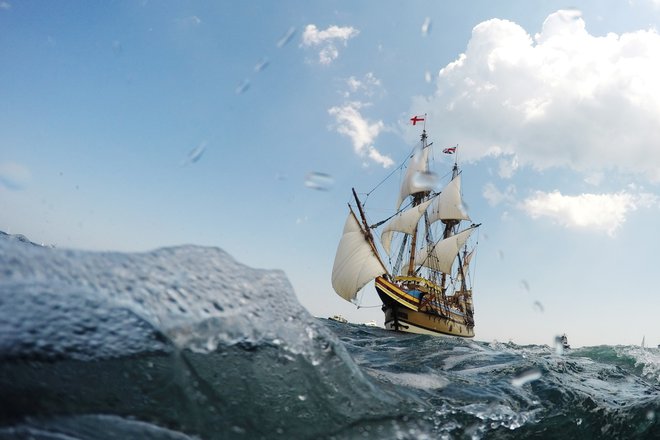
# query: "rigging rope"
410,155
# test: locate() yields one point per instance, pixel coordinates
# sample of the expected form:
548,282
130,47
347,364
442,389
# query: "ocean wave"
185,342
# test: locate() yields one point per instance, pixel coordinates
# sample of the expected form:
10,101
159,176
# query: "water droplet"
302,397
196,153
261,65
116,47
500,254
284,40
525,285
243,87
426,26
538,307
319,181
425,181
526,376
570,14
559,346
650,415
578,421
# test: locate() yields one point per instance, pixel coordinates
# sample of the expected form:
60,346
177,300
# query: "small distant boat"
370,324
338,318
564,342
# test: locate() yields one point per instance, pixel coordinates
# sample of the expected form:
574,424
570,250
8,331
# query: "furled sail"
412,183
405,221
448,205
441,256
355,262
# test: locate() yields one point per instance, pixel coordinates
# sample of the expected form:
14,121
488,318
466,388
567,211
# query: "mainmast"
417,199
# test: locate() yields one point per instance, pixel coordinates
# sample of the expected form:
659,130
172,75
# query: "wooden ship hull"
413,310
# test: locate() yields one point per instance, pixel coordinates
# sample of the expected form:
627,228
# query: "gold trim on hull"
401,316
409,321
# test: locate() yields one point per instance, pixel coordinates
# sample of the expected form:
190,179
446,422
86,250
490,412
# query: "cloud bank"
560,98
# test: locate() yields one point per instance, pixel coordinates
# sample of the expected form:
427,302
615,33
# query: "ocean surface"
185,342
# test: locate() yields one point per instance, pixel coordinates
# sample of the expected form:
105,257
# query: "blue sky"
132,125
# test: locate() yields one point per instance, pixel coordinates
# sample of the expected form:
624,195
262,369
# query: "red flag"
450,150
416,119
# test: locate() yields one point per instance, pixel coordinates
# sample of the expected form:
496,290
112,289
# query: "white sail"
405,221
441,256
355,262
412,183
449,205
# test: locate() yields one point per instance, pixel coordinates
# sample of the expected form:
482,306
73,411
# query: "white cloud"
595,178
602,212
5,5
494,196
562,98
367,85
362,133
13,176
508,166
191,21
327,39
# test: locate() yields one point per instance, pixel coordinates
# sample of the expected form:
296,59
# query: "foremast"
368,236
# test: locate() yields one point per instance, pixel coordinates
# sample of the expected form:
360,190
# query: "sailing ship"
421,265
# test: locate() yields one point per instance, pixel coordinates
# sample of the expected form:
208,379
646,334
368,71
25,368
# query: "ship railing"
421,281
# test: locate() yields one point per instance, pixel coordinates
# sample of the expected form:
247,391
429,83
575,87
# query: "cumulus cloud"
601,212
13,176
559,98
361,132
327,40
5,5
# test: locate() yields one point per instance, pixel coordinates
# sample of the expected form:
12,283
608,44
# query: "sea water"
185,342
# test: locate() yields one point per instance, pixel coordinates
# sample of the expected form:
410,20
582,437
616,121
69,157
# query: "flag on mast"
416,119
450,150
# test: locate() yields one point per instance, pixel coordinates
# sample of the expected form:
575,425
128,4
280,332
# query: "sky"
134,125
